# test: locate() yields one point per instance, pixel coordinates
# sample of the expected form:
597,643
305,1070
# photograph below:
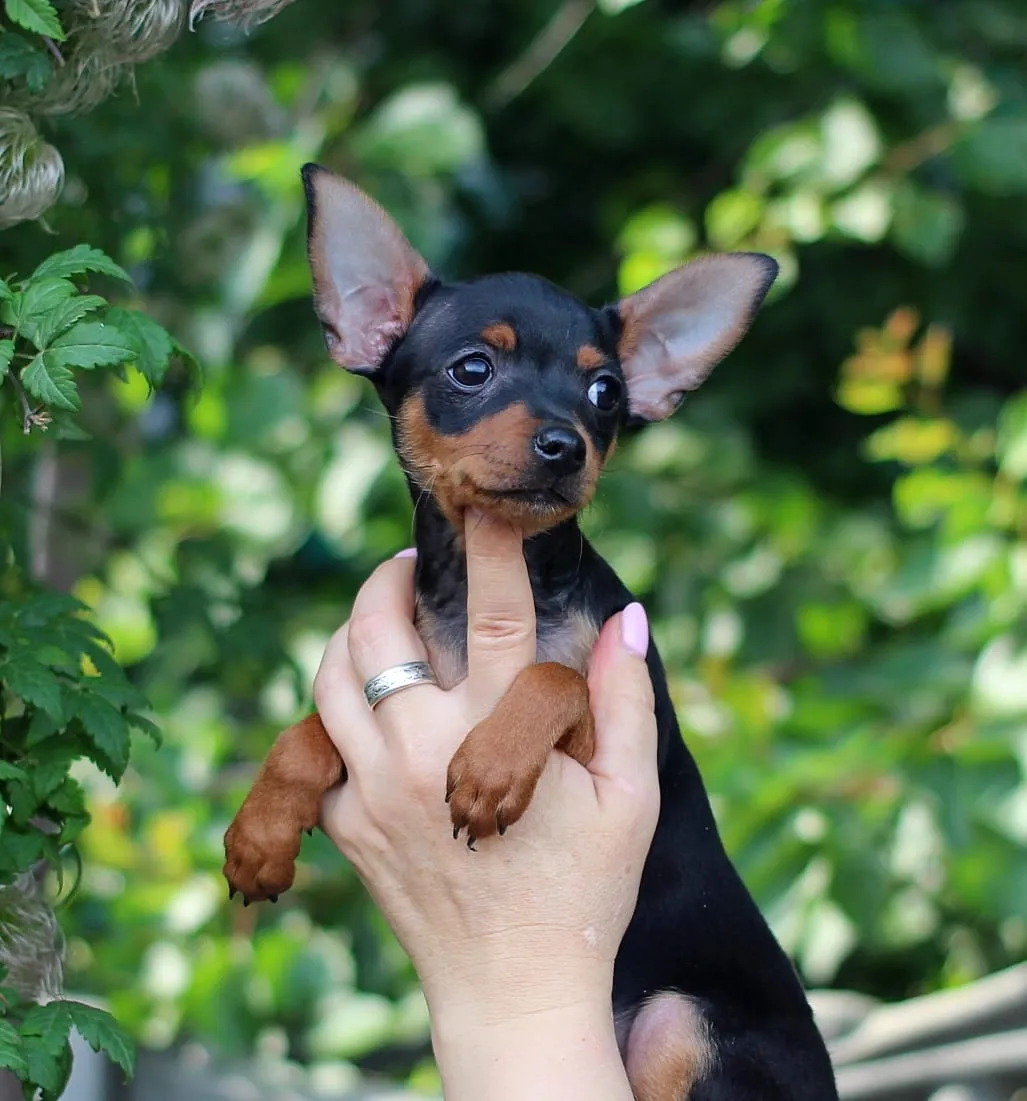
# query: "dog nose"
560,448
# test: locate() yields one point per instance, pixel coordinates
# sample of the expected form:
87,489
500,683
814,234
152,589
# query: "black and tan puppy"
506,395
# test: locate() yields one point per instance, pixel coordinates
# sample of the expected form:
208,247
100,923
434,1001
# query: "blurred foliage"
831,536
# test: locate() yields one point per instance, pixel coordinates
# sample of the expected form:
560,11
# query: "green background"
831,537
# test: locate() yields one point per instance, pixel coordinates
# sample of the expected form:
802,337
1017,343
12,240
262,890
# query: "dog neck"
554,559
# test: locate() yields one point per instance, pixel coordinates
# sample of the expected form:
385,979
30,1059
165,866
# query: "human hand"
559,889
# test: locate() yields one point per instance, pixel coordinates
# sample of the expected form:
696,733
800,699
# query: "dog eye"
604,393
471,373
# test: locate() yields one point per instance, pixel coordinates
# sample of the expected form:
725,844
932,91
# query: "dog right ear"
366,274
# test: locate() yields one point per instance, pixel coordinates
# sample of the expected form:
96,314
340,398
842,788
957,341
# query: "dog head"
506,392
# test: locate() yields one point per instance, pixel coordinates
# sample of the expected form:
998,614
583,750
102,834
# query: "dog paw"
260,855
487,794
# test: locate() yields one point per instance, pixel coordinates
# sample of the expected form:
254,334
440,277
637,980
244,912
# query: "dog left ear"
366,274
676,330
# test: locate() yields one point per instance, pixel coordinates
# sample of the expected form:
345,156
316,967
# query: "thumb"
623,703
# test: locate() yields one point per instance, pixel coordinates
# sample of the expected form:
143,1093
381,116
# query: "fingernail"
410,552
634,630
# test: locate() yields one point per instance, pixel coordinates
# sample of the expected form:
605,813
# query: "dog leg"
493,774
263,841
668,1049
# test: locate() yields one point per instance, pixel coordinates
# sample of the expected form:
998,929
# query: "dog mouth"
536,498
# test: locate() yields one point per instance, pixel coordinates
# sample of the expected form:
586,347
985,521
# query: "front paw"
488,790
260,853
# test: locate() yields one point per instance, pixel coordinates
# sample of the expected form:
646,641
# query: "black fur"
696,929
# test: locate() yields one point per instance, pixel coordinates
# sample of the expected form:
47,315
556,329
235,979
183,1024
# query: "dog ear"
366,274
676,330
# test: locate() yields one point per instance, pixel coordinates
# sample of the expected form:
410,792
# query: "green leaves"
68,330
103,1034
51,382
74,701
91,344
992,156
12,1054
21,59
75,261
152,346
34,1044
35,15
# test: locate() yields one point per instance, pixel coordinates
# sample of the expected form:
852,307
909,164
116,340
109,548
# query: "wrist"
490,988
562,1053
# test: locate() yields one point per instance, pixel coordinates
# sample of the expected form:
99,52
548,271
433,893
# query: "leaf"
1012,438
62,317
50,764
103,1033
145,726
91,344
5,291
926,225
45,1067
154,346
50,1023
34,302
51,382
35,684
992,157
19,58
21,849
76,260
108,731
6,355
12,772
35,15
11,1054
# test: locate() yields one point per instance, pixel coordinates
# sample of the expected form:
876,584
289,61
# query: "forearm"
564,1054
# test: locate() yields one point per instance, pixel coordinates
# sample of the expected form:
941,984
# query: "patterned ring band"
395,678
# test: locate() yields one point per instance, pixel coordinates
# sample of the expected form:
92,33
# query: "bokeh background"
831,536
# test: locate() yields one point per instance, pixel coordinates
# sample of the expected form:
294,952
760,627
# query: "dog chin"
532,510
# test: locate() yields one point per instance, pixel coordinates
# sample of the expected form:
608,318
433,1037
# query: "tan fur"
589,357
467,471
263,841
493,774
500,336
668,1049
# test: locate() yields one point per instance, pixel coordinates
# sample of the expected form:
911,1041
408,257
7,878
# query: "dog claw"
500,825
245,902
232,893
456,832
310,832
272,898
470,843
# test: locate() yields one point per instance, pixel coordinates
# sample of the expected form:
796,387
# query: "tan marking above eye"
589,357
500,336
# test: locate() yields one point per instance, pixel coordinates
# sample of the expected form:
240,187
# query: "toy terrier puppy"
506,395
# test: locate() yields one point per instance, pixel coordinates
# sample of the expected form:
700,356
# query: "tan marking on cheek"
500,336
593,466
668,1049
589,357
457,469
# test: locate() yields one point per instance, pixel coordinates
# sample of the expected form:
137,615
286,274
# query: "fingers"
500,607
623,704
382,633
379,634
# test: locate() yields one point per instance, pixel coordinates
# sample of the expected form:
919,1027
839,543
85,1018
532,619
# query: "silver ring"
395,678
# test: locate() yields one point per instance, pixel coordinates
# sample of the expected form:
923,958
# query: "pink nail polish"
634,630
410,552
